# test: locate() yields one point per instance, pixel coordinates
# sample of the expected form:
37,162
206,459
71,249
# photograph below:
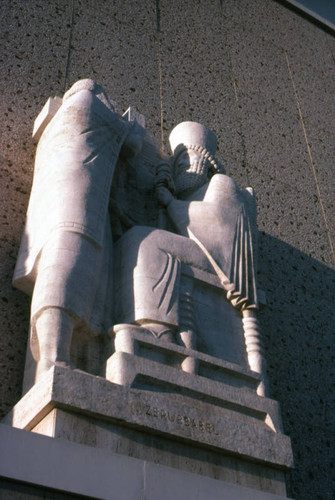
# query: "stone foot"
44,365
125,338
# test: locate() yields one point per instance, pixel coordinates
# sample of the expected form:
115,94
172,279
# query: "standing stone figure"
66,251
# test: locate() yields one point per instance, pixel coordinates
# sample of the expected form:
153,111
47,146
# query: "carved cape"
75,162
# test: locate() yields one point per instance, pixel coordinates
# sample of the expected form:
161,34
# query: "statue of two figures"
122,244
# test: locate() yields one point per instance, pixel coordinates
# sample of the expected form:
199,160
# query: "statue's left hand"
164,177
164,196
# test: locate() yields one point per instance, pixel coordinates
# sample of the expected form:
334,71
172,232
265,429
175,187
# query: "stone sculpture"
67,252
142,269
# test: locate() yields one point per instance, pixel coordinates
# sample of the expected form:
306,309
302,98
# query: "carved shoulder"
220,185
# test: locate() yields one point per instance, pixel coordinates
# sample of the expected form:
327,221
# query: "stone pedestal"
219,429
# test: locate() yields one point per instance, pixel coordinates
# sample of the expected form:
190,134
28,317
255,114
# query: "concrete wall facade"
262,78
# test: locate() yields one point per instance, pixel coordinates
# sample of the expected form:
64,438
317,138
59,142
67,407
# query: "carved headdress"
195,136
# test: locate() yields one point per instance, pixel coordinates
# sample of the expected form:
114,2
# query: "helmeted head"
193,146
92,86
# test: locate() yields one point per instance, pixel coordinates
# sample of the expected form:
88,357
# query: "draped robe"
75,162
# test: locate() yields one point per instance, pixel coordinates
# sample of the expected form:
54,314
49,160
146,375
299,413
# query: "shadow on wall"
298,329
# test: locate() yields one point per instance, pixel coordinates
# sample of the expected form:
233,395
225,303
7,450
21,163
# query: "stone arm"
224,225
183,214
206,201
179,210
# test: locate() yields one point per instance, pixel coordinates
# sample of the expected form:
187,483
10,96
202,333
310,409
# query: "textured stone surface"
122,55
98,473
156,449
224,64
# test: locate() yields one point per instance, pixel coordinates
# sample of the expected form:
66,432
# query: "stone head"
193,146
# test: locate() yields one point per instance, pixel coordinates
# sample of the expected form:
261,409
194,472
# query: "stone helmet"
193,146
92,86
193,134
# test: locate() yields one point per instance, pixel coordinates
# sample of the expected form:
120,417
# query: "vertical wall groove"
302,121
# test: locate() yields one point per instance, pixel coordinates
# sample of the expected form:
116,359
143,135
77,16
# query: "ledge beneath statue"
60,468
170,403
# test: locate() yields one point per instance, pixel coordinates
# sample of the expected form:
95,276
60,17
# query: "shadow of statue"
298,332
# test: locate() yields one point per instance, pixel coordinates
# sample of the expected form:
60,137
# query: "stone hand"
164,196
163,176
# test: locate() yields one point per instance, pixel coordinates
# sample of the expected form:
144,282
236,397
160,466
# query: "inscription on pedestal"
203,426
169,414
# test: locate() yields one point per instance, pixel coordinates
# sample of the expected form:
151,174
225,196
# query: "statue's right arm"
190,214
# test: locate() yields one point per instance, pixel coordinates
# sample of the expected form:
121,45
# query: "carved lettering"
181,420
148,410
171,417
156,412
209,427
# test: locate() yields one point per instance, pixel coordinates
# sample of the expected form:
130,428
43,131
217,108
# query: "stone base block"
199,425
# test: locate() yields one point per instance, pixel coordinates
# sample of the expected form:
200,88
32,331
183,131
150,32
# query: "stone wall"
262,78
